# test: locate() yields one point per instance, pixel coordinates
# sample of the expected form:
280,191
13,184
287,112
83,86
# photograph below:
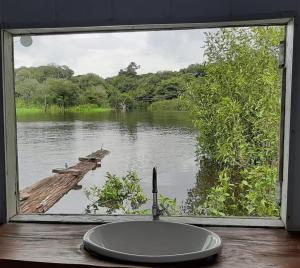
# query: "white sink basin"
152,241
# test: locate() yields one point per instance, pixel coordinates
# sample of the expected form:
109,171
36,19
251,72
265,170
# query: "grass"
31,110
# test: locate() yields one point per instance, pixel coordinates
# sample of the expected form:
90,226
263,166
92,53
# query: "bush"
123,195
236,108
168,105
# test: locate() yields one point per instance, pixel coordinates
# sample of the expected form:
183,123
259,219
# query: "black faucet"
156,212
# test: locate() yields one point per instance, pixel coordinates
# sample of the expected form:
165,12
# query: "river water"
136,140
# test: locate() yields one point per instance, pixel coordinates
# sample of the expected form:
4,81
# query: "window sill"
60,245
203,220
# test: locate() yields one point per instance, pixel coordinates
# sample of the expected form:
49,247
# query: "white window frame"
8,136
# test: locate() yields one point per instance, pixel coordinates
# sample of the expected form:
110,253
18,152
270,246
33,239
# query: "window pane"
203,106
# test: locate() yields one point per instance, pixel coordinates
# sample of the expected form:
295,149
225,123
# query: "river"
136,140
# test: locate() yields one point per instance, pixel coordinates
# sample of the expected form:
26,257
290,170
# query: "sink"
152,241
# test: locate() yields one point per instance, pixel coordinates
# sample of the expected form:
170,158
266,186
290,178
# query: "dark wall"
66,13
82,13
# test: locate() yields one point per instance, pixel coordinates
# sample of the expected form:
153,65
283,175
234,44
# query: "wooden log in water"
42,195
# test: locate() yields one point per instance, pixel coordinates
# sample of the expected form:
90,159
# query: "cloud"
106,53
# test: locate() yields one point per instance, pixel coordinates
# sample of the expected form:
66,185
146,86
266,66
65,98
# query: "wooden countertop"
60,245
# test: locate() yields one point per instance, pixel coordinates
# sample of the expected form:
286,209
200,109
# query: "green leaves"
123,195
168,205
54,85
236,108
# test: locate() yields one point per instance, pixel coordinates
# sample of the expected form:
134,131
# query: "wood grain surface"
60,245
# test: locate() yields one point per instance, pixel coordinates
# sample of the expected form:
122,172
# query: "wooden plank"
41,196
57,244
201,221
93,159
66,171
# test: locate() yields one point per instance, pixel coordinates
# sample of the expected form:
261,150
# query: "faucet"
156,212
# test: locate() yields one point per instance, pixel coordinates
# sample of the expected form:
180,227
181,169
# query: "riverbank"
23,111
162,105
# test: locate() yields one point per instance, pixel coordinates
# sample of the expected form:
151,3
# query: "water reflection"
205,179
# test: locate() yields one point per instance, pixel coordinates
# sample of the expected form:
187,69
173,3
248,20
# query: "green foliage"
170,88
126,80
168,205
94,95
123,195
252,195
130,70
42,73
221,199
258,188
236,108
88,80
167,105
62,92
206,178
27,89
195,70
125,91
51,85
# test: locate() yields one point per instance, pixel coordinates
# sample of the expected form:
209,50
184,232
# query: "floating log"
42,195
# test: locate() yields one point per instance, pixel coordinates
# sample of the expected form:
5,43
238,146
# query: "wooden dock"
42,195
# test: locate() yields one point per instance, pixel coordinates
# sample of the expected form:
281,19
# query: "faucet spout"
156,212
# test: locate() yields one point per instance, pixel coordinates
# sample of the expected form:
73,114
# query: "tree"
147,87
170,88
26,89
196,70
126,80
23,73
125,101
130,70
94,95
88,80
42,73
62,92
236,108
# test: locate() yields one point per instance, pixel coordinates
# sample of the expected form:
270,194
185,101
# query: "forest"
54,87
233,99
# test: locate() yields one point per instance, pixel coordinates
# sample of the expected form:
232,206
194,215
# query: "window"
198,77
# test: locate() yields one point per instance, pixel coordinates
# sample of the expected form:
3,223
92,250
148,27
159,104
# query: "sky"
106,53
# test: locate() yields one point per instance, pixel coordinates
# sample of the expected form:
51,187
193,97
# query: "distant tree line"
48,85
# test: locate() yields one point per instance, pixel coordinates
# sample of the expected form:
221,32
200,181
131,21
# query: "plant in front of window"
119,195
124,195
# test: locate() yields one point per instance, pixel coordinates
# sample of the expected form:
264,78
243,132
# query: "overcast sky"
107,53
